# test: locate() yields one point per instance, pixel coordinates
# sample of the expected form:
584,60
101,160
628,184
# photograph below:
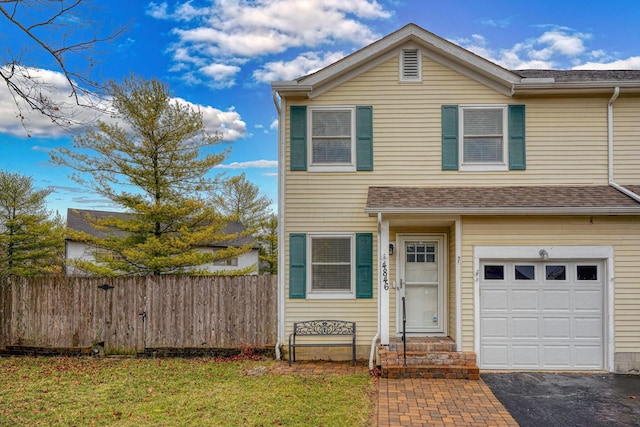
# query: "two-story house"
501,206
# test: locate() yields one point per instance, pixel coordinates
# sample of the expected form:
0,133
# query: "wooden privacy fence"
127,315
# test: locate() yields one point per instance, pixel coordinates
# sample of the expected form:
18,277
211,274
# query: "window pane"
331,263
332,277
482,122
525,272
331,123
482,149
494,272
331,150
556,272
331,250
587,272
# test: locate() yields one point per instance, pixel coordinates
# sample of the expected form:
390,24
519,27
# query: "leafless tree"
51,35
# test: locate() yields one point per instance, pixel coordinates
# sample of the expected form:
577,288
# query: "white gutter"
377,335
612,182
280,225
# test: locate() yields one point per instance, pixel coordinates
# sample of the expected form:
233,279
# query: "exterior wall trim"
555,252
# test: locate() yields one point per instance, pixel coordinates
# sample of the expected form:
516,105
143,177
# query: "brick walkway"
420,402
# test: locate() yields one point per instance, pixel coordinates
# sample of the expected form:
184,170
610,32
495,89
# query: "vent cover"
410,67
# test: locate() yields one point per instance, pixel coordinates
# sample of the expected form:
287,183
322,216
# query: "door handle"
401,283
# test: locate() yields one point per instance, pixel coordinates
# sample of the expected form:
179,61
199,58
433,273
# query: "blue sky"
221,56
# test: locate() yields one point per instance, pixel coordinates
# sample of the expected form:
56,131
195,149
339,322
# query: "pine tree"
31,238
153,166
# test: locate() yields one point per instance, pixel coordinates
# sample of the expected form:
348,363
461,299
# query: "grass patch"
175,392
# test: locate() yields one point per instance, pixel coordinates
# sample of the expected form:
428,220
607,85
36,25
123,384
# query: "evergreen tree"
154,166
31,238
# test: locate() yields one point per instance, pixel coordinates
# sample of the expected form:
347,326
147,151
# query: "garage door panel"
525,356
495,356
557,356
588,300
555,300
588,356
495,327
556,328
542,323
524,300
524,327
494,299
588,328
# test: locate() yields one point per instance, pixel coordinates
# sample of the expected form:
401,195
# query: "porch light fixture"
544,254
390,249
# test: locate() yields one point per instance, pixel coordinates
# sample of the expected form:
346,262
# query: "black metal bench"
323,328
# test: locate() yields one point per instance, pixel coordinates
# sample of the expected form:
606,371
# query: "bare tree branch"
61,36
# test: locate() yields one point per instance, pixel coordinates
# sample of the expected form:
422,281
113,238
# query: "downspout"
612,182
280,225
377,335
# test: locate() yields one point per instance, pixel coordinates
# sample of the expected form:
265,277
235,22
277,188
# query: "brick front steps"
427,358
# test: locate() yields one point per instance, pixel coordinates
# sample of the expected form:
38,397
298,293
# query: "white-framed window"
331,272
483,145
410,65
331,138
229,262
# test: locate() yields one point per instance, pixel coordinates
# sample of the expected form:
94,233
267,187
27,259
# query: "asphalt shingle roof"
566,76
522,199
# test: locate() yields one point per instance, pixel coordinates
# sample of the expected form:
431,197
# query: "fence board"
139,312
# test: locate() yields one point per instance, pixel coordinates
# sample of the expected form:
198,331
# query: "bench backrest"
324,327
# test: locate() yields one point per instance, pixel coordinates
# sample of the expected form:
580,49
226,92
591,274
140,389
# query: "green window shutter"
450,137
517,151
364,265
364,138
297,265
298,138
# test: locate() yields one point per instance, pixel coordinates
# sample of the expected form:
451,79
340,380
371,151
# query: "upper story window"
331,138
483,144
410,65
484,137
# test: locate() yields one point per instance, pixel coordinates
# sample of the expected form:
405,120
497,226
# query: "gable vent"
410,67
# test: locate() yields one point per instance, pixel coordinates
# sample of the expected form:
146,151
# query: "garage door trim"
555,253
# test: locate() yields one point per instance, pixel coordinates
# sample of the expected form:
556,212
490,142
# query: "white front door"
421,283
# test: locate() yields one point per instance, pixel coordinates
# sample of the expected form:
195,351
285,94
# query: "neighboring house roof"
522,200
507,82
77,221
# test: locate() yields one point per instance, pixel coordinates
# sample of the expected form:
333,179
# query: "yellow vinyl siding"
620,232
626,139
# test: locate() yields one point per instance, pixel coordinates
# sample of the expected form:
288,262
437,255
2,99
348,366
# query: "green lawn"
175,392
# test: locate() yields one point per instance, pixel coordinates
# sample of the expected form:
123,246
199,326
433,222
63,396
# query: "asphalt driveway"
568,399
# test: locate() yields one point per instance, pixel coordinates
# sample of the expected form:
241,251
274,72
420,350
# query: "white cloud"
57,89
305,63
555,48
220,75
632,63
274,124
236,30
261,164
229,122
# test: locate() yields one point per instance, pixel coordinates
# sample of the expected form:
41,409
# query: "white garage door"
541,315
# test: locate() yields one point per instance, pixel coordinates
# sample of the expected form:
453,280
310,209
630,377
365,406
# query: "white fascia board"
432,46
507,211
